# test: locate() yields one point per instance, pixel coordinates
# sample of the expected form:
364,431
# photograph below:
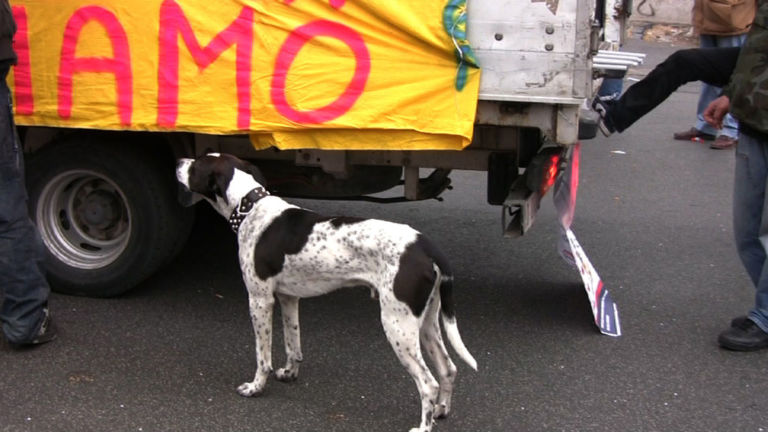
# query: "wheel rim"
83,219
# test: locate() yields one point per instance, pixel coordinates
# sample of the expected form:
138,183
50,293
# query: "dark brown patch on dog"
415,277
286,235
338,221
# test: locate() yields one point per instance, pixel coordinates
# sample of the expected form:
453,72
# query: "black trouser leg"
710,65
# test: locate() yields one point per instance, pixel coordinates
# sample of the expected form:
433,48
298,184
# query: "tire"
107,212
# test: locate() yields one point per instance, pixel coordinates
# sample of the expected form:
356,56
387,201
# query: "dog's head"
221,179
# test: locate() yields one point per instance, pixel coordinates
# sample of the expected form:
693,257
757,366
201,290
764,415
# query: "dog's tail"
447,311
449,321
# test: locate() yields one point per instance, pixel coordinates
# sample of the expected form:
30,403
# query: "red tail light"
543,170
549,173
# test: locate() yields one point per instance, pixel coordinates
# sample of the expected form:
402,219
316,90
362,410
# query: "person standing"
746,95
26,320
719,23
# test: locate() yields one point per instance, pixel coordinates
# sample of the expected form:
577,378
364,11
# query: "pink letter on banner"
288,52
119,65
172,23
22,72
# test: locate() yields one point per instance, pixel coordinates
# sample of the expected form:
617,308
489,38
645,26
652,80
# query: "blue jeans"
710,93
750,218
22,281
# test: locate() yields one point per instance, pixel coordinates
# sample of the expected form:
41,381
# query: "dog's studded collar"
246,204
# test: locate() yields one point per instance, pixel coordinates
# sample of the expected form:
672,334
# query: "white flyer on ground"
603,308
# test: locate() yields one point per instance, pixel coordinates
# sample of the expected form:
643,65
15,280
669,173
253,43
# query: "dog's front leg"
289,307
261,306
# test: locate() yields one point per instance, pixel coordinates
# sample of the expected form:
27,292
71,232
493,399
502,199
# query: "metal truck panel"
533,50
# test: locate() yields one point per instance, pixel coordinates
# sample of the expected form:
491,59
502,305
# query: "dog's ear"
202,180
218,185
186,197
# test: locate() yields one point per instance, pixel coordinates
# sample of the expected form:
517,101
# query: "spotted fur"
289,253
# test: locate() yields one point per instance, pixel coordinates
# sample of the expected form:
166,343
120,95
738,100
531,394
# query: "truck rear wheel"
107,213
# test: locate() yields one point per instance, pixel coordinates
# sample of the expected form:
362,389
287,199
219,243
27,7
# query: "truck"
104,198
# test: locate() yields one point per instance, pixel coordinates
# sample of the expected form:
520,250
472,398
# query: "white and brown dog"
289,253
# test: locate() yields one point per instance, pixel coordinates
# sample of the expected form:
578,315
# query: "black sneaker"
600,105
46,333
739,321
743,335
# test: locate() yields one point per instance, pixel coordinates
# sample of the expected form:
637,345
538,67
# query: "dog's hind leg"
289,308
261,307
402,330
432,341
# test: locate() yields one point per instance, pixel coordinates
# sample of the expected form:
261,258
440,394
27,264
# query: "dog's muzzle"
186,197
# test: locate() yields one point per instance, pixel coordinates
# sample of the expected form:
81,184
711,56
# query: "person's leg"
730,125
749,196
750,222
22,280
710,65
750,227
707,95
708,92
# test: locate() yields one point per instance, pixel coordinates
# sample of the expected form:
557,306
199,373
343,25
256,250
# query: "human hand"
716,111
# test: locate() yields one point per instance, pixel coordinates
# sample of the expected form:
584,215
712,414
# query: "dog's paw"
441,411
286,375
424,428
248,389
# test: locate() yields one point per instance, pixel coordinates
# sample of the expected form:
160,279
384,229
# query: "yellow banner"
293,73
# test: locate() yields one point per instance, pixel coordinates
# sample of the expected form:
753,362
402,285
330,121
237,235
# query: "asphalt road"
654,216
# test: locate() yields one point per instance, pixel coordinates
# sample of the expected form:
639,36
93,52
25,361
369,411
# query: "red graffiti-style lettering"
173,23
22,72
288,52
119,65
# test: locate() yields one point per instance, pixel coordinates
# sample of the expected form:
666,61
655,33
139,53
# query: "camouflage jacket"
748,88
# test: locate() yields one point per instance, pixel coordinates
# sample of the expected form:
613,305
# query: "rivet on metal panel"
498,36
549,29
549,47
